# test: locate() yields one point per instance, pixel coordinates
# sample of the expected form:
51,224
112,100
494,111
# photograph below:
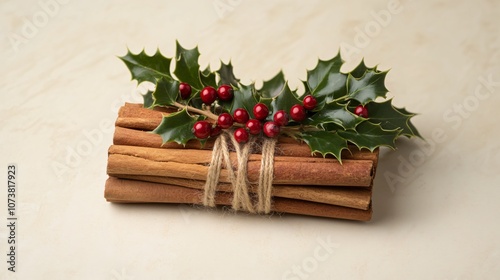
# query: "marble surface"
436,204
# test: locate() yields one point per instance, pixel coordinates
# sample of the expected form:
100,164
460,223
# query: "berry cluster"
204,129
208,94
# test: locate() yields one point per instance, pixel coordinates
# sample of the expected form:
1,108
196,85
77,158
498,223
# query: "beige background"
436,205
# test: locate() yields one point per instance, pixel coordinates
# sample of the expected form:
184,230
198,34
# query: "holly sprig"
338,108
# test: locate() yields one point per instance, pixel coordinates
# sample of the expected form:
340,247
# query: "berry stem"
205,113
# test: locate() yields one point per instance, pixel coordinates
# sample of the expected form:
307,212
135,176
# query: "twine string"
239,180
266,175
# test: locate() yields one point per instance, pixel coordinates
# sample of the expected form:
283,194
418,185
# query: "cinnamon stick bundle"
143,169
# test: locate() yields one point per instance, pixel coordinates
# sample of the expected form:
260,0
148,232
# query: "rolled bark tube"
131,191
358,198
139,138
354,173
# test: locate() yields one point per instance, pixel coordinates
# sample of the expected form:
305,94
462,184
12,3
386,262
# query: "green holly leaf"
226,75
244,97
166,92
370,136
274,86
147,68
207,78
335,113
325,142
368,87
361,69
177,127
326,82
148,99
410,124
389,117
283,101
187,67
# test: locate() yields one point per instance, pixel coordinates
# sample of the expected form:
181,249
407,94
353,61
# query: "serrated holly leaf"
370,136
187,67
176,127
166,92
326,82
147,99
147,68
226,75
244,97
368,87
361,69
307,90
274,86
325,143
283,101
335,113
410,124
207,78
389,117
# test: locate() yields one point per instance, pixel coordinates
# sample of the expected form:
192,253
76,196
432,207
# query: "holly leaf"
326,82
284,101
335,113
390,118
226,75
274,86
166,92
187,67
177,127
145,68
360,70
244,97
207,78
147,99
370,136
325,142
368,87
410,124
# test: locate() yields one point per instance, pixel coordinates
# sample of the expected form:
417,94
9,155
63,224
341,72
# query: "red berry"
225,120
309,102
185,90
225,92
260,111
361,111
202,129
253,126
240,115
280,118
216,130
241,135
298,113
208,95
271,129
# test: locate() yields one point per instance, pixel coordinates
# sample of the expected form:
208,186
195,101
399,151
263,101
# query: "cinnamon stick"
131,191
174,163
349,197
132,137
134,116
